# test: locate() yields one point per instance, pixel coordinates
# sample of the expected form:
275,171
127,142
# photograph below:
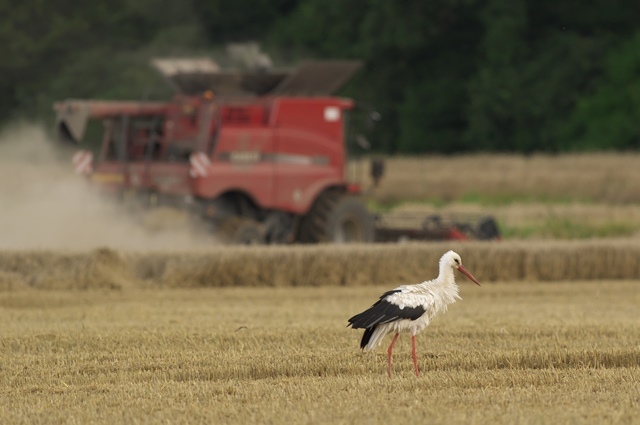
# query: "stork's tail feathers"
373,331
372,337
366,337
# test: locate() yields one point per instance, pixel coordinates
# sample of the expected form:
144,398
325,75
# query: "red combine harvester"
262,155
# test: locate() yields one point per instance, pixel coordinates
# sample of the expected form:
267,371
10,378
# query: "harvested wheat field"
114,317
599,176
539,353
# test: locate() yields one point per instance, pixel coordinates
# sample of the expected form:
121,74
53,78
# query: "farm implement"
261,155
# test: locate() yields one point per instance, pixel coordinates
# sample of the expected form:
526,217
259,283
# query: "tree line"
446,75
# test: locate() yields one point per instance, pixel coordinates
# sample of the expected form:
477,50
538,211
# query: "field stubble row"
555,353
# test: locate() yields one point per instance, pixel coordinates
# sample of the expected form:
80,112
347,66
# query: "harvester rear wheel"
337,218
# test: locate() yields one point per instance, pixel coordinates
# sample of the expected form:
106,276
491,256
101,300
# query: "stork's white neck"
446,275
444,286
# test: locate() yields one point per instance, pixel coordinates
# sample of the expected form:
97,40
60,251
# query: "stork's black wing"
384,311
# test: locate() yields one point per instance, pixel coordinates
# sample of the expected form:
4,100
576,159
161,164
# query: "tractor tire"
337,218
242,231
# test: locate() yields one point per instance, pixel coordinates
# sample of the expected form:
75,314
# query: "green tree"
609,118
447,75
496,87
540,60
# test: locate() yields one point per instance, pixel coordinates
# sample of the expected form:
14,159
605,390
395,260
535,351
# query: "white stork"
410,308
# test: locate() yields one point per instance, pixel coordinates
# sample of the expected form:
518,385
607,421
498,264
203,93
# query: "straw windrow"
318,265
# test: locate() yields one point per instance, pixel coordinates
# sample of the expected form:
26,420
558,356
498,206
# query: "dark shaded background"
447,75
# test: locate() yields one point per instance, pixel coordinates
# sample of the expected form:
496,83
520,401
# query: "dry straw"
598,176
318,265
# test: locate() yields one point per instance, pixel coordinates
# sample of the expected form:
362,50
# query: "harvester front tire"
337,218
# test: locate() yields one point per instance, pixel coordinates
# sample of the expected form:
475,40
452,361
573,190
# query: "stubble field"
535,353
112,318
539,196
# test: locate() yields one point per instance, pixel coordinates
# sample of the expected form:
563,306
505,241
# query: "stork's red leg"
414,355
389,353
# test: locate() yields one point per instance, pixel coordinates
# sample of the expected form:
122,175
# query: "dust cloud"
45,205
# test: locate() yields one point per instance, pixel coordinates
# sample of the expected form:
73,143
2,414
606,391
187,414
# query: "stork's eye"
456,260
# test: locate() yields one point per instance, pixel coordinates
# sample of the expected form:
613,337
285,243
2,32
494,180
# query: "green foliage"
563,228
526,88
609,117
447,75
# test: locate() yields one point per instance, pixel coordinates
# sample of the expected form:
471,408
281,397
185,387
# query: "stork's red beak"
467,274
